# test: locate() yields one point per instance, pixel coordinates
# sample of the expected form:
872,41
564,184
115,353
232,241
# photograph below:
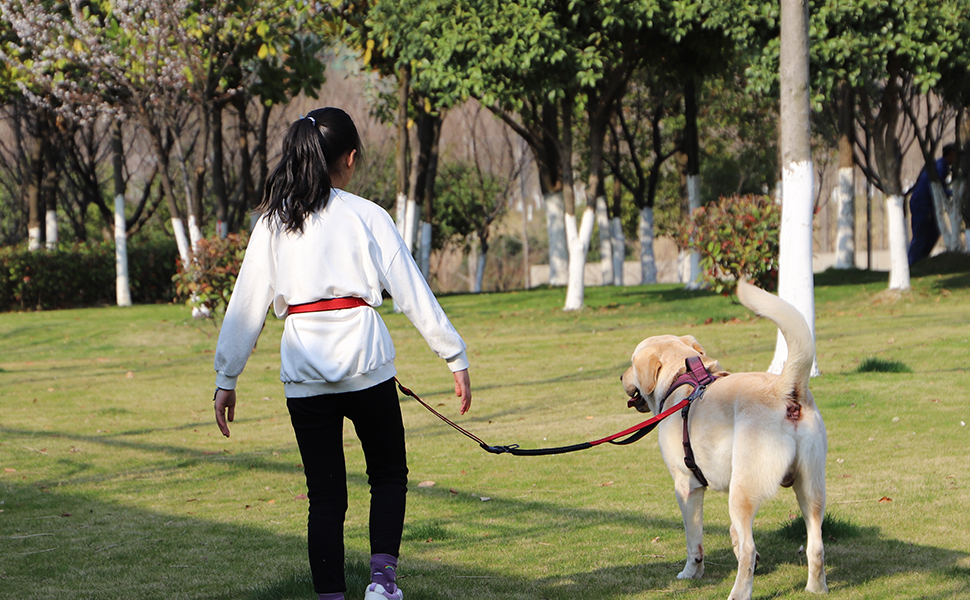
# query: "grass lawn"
115,483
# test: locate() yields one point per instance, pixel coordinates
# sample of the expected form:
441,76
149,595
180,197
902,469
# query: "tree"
795,280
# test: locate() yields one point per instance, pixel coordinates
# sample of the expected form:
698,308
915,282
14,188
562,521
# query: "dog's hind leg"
743,508
692,508
810,490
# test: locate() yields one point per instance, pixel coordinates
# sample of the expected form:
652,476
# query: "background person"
315,242
926,230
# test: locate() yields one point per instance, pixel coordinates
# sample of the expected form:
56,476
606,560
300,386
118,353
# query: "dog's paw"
692,571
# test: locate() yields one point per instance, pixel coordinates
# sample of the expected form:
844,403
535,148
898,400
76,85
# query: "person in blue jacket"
926,231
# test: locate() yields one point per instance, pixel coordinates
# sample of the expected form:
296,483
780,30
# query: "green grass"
115,482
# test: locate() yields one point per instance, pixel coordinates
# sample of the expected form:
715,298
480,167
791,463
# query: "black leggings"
318,423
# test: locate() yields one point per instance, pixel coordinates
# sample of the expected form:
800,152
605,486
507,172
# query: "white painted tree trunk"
480,271
947,217
795,278
425,262
474,266
33,239
401,214
558,248
691,261
619,249
222,229
959,186
181,240
50,221
410,224
195,232
898,260
578,241
122,289
648,261
606,241
845,227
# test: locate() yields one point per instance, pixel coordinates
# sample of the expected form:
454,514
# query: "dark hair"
300,182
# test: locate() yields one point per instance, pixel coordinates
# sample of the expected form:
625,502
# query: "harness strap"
688,451
699,377
326,305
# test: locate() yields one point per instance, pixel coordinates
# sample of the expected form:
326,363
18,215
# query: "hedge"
84,275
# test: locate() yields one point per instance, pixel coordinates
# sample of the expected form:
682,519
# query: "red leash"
636,432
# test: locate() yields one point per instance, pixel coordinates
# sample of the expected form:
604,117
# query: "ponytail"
300,183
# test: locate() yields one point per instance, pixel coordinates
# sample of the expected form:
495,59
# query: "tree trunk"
558,250
122,289
795,278
648,263
262,151
947,217
961,171
49,196
616,232
34,187
898,261
845,188
427,211
606,240
168,189
247,197
575,290
218,172
887,155
692,263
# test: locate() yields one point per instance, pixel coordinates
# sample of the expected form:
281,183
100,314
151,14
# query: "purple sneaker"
376,591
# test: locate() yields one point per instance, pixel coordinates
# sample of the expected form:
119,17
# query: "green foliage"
735,236
83,275
207,281
468,200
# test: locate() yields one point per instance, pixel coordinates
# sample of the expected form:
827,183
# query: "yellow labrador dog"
750,433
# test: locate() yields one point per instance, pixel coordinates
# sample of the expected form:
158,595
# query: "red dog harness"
699,377
325,305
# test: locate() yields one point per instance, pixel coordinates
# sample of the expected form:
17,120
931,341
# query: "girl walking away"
321,257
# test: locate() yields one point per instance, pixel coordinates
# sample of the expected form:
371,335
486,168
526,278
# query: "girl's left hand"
225,403
463,389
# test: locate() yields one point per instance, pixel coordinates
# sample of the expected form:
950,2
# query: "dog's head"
656,363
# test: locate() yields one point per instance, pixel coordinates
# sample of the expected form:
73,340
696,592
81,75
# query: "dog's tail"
798,336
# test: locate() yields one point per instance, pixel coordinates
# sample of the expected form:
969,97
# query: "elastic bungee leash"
697,376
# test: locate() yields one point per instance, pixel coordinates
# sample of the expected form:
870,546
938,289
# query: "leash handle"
457,427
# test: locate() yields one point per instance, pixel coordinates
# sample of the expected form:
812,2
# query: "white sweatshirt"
349,248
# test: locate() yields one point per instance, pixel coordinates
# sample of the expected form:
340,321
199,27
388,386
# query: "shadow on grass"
65,545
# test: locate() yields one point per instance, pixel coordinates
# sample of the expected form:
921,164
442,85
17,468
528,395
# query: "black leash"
696,375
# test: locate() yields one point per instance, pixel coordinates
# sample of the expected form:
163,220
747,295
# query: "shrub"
83,275
735,236
206,282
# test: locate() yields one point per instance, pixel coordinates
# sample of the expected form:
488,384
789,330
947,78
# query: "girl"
322,257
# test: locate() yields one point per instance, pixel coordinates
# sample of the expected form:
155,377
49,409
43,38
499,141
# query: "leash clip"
500,449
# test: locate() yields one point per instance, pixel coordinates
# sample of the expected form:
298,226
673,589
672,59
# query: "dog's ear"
693,343
711,364
647,366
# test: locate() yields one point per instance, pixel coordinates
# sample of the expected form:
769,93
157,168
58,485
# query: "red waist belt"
325,305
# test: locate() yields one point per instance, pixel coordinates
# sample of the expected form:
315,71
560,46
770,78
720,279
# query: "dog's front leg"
692,508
